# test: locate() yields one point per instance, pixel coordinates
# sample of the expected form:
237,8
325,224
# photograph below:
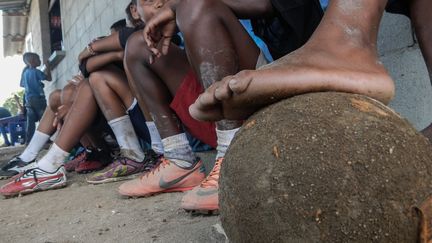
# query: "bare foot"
309,69
340,56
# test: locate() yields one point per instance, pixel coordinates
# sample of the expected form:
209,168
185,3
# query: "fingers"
159,30
55,122
76,79
166,42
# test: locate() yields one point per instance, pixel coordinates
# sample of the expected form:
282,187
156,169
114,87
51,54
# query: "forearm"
97,62
107,44
48,73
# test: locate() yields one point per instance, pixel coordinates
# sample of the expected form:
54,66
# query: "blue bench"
16,127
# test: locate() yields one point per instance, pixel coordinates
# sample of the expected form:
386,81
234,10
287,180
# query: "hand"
61,113
83,55
159,31
47,64
77,79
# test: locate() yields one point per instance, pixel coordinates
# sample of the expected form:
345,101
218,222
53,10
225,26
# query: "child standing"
31,80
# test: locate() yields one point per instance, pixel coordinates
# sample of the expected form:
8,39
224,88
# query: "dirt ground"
88,213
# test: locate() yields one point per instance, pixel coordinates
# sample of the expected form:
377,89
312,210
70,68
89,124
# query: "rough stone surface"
325,167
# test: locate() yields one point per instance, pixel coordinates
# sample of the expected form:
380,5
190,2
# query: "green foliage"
11,104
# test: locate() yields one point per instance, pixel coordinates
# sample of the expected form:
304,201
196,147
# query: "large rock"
325,167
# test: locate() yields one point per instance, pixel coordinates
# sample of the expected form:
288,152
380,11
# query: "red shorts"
186,95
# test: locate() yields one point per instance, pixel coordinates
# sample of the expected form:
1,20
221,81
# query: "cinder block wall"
82,21
405,63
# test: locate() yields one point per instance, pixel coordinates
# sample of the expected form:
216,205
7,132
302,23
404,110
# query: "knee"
136,49
54,99
97,79
67,94
191,12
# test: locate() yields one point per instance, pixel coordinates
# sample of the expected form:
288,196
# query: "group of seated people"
178,71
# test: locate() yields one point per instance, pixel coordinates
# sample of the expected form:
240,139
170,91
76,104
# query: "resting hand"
77,79
159,30
60,115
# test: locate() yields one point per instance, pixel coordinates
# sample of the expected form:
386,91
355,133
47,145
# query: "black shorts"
398,7
290,28
139,123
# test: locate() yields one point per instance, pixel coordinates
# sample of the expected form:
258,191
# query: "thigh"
116,79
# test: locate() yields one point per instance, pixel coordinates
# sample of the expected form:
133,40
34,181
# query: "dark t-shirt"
291,27
125,33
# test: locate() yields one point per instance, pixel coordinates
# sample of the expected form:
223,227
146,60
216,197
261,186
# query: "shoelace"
26,172
212,180
162,162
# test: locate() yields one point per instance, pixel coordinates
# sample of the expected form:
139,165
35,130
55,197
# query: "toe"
223,91
240,82
210,114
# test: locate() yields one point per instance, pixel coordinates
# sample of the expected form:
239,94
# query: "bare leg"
340,56
156,84
111,91
81,115
217,56
422,19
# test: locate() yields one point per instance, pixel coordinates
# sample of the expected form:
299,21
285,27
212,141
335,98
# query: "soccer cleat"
123,169
204,197
72,164
13,167
166,177
96,159
33,180
89,166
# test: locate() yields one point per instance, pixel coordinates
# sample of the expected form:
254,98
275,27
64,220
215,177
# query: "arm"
162,26
47,71
107,44
96,62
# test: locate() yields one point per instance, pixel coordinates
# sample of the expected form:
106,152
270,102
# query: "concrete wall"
405,63
82,21
38,26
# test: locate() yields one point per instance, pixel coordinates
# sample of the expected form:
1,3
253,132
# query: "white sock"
36,144
178,150
127,138
156,140
53,160
224,138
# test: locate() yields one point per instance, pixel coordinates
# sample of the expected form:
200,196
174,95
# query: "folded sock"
178,150
53,160
156,141
224,138
36,144
127,138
